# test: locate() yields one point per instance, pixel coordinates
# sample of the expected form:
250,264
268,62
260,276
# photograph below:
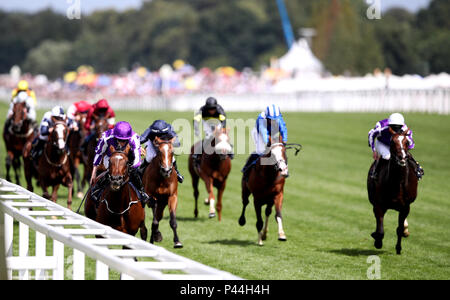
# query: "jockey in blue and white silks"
164,131
48,121
269,123
379,139
119,137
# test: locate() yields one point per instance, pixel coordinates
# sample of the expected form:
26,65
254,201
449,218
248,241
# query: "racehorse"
74,142
53,166
119,205
395,188
101,125
16,134
266,183
213,169
160,182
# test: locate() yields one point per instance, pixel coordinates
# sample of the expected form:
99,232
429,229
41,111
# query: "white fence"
68,229
425,101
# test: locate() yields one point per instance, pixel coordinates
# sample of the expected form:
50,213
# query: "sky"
87,6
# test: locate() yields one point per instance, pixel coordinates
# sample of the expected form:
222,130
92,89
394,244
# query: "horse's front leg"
16,166
158,210
266,223
220,191
211,200
378,235
69,198
278,205
173,202
401,228
8,163
55,193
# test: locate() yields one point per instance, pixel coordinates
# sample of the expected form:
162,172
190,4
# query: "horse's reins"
125,210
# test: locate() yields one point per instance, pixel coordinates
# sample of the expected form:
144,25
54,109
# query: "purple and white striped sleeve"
409,137
101,148
373,133
136,148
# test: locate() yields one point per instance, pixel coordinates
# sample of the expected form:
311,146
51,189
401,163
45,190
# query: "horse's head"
165,155
222,142
58,136
19,115
279,158
118,167
399,146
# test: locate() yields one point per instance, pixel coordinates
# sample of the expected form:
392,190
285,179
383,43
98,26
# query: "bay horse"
160,182
101,125
74,141
395,188
213,169
119,205
266,182
53,167
16,134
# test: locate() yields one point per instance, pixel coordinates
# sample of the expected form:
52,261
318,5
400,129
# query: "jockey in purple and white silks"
119,137
380,140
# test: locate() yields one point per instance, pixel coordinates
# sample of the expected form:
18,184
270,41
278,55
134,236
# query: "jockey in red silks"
100,109
76,112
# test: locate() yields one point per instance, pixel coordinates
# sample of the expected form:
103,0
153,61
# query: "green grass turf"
326,213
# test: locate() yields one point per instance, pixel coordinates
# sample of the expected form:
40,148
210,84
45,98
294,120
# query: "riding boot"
36,151
137,182
248,165
97,189
376,169
142,167
418,168
179,176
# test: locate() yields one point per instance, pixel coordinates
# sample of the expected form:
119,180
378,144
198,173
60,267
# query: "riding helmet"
58,112
273,111
211,102
396,119
123,131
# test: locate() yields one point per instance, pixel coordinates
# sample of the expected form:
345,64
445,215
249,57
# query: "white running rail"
49,220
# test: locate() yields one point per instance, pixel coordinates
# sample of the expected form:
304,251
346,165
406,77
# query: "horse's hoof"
242,221
212,215
282,238
178,245
80,195
260,243
206,201
406,233
196,213
157,237
378,244
399,251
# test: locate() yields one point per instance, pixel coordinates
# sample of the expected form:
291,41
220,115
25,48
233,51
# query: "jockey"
75,113
48,120
99,109
380,140
261,132
210,113
164,131
119,137
29,102
22,86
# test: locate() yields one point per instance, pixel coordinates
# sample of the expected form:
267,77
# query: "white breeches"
383,150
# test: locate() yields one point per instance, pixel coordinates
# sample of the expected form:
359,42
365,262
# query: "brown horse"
74,142
119,205
394,188
101,125
160,182
213,169
53,166
16,134
266,183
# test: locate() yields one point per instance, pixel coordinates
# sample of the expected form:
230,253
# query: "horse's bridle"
162,170
119,180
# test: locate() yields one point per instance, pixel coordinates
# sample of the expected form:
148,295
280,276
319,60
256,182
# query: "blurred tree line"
240,33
